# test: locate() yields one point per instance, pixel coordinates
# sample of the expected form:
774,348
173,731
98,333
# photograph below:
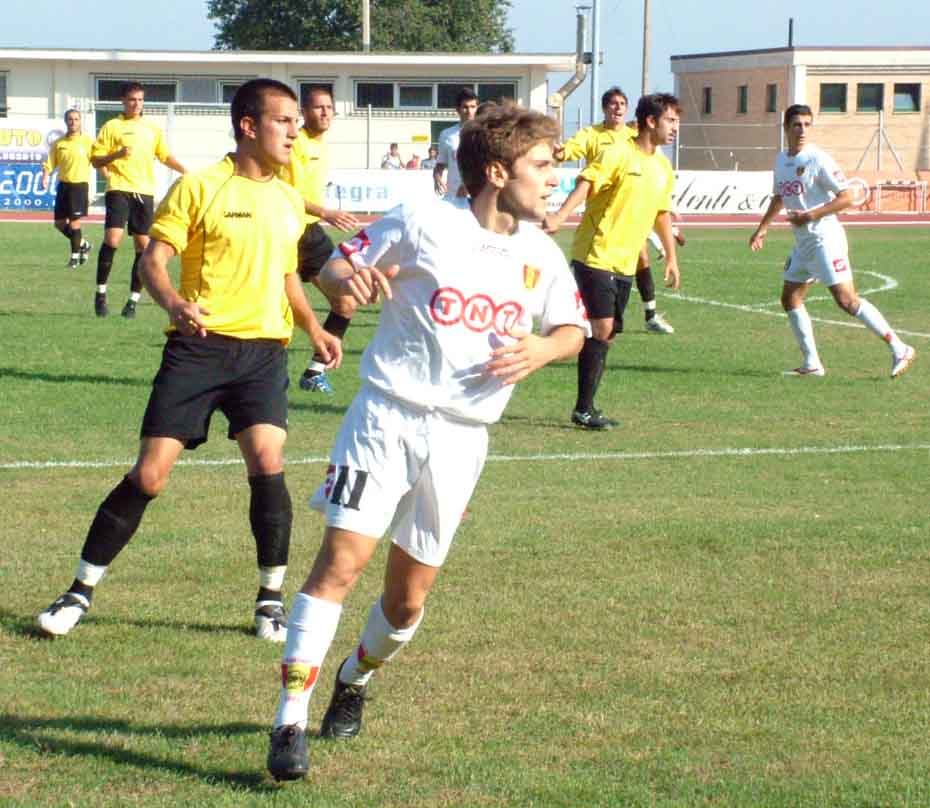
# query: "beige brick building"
870,106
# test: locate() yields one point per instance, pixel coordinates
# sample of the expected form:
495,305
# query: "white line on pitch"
748,451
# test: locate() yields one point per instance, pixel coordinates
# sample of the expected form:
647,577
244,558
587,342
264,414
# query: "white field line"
44,465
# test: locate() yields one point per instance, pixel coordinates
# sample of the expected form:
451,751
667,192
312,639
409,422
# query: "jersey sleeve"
445,152
666,203
177,215
607,168
103,145
378,244
562,304
576,146
162,152
830,176
52,160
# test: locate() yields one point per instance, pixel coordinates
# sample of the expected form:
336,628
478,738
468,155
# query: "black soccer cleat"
592,419
129,310
86,247
100,304
343,717
287,754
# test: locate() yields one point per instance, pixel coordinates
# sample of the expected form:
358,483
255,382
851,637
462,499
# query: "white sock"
649,305
316,367
101,288
380,643
310,630
271,577
135,296
873,319
803,329
75,255
88,573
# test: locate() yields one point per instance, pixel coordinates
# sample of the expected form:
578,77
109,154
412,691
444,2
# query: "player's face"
615,111
797,132
530,184
73,122
132,104
467,110
667,127
276,129
318,112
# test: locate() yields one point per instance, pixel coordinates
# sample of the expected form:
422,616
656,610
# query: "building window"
907,98
3,107
228,90
870,97
156,91
380,94
304,88
771,98
415,96
707,101
742,99
497,92
833,98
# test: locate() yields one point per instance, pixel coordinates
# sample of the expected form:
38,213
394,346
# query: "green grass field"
724,602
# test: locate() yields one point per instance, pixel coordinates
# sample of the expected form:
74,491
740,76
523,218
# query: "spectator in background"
430,161
414,162
392,160
446,178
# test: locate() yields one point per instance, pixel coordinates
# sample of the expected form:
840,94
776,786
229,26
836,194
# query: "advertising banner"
24,144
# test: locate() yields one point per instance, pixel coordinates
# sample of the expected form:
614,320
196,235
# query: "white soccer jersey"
448,151
810,179
460,290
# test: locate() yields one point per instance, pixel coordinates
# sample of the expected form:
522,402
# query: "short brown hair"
503,134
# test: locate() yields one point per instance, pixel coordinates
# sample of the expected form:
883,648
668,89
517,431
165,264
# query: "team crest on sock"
366,663
298,677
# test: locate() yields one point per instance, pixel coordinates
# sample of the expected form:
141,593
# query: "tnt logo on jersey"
344,486
792,188
840,265
449,307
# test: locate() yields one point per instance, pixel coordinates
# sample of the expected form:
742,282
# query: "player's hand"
126,151
365,283
672,274
551,223
329,347
187,318
520,356
558,152
799,217
757,240
340,219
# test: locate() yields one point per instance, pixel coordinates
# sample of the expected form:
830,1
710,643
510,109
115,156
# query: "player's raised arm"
579,194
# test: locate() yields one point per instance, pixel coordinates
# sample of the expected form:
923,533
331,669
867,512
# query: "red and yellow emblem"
530,276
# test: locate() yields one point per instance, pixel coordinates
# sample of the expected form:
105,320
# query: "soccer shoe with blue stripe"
314,382
63,615
804,371
270,620
343,717
902,361
287,754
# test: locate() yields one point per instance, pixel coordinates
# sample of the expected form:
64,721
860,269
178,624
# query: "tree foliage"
478,26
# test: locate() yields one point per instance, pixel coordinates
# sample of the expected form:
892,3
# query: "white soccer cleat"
902,362
270,621
659,325
63,615
802,371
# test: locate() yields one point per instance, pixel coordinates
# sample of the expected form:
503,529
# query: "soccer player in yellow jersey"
127,147
70,155
235,226
307,172
628,192
586,144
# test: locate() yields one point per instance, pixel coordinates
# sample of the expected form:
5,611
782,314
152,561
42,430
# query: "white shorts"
827,262
407,470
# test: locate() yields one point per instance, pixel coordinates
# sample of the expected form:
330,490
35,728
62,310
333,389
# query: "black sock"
77,238
104,263
269,594
591,363
117,519
66,231
270,515
79,588
647,289
335,324
135,285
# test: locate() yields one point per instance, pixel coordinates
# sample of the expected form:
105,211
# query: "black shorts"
71,200
313,250
245,379
136,210
605,294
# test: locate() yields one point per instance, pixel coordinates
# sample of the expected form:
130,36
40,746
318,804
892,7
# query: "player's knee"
344,307
849,304
149,479
403,609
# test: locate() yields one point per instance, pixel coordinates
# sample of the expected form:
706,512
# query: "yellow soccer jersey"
629,189
308,169
71,156
237,239
588,143
135,173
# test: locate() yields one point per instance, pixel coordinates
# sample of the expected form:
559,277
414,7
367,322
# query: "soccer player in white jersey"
811,187
447,179
462,283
